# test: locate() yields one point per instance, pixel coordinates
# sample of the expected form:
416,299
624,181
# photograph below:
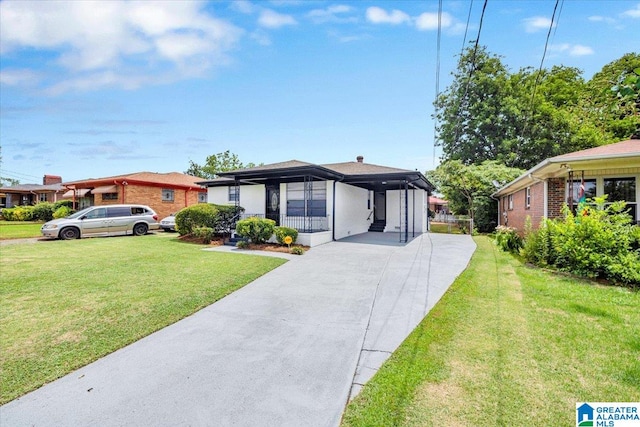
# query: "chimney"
51,179
360,159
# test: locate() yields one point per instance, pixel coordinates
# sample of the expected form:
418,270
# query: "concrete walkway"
286,350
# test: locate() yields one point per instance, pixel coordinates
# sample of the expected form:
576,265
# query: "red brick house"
163,192
543,190
50,190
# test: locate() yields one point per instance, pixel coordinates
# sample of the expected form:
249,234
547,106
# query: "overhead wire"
435,120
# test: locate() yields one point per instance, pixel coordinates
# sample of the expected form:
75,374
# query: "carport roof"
365,175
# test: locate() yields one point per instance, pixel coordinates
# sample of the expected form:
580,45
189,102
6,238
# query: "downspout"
73,200
123,184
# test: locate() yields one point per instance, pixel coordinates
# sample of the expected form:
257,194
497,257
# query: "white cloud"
537,23
572,50
333,13
103,37
271,19
242,6
633,13
13,77
429,21
377,15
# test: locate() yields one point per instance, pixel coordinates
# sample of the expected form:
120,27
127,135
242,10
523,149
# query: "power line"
435,119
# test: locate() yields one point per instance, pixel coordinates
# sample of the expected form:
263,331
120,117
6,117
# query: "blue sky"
92,89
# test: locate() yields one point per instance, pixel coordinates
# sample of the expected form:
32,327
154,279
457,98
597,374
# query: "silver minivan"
111,220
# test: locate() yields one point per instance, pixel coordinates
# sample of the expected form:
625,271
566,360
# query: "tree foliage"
216,163
468,188
522,118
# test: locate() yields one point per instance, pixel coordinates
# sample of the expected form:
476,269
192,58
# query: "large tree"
468,188
522,118
216,163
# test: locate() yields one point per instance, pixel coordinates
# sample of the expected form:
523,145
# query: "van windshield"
80,213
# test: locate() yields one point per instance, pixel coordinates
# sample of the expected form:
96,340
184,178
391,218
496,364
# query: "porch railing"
304,224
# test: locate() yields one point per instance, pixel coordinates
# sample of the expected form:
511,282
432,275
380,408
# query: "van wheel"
69,233
140,229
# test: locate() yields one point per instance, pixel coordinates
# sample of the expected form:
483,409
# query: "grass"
443,227
65,304
19,229
508,345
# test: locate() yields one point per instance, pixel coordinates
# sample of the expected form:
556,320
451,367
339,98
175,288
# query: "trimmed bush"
297,250
282,232
258,230
191,217
60,203
205,233
43,211
63,212
18,213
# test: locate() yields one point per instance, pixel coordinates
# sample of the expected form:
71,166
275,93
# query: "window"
42,197
622,189
109,196
307,199
589,190
527,197
510,201
202,197
167,195
118,211
96,213
234,194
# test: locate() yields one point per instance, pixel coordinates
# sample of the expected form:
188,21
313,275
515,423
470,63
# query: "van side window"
137,210
118,211
96,213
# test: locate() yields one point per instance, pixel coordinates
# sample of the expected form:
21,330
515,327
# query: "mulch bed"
270,247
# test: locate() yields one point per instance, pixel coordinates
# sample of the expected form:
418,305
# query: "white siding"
251,197
394,211
352,213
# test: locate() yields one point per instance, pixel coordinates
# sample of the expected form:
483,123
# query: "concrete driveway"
286,350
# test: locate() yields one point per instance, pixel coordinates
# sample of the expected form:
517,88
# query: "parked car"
169,223
112,220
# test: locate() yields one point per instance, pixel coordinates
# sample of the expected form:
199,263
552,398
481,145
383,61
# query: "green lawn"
19,229
508,345
64,304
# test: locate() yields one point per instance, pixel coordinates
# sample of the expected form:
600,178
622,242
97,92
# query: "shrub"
43,211
600,242
282,232
297,250
60,203
18,213
508,239
258,230
205,233
200,215
242,244
63,212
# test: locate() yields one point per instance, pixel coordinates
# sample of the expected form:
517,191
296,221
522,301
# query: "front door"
380,206
273,203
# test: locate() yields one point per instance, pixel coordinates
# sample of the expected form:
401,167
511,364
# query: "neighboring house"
165,193
51,190
331,201
542,191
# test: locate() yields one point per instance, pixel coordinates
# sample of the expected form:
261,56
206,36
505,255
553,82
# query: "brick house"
50,190
165,193
543,190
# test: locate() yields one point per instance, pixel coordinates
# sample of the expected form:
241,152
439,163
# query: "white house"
329,202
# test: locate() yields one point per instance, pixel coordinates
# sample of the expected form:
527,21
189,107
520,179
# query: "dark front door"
273,203
380,206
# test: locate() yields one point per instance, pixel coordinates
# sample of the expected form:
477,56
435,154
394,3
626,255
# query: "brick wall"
152,197
556,197
517,216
